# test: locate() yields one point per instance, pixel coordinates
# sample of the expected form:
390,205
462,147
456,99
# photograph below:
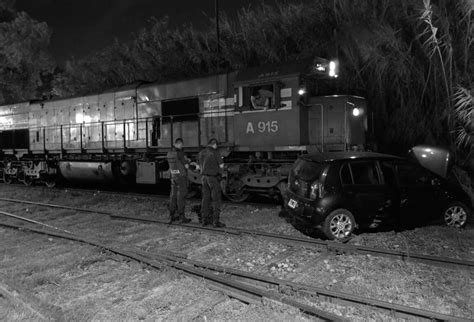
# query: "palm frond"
464,114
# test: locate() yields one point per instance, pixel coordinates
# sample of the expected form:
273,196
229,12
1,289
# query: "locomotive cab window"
180,110
257,97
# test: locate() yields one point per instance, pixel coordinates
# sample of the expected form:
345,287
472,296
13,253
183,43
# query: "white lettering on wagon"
250,128
263,127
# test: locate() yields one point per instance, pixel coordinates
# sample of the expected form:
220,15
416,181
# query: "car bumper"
302,209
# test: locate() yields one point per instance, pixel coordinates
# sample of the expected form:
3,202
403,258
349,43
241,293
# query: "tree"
25,65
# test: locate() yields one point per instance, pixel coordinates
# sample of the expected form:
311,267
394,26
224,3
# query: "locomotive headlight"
356,111
332,69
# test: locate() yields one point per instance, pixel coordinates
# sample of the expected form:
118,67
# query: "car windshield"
307,170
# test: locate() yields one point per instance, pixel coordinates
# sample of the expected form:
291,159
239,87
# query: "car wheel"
339,225
456,214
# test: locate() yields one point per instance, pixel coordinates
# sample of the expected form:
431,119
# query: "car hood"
435,159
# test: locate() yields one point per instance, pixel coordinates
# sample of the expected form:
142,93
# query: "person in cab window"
179,165
260,98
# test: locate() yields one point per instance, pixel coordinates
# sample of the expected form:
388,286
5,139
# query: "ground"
86,283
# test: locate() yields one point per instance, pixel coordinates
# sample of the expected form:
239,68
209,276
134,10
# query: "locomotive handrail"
70,125
120,121
140,124
125,136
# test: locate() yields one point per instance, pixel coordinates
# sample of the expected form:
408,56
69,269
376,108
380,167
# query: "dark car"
339,191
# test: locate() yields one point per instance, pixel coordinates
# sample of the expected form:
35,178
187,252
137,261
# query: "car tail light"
316,190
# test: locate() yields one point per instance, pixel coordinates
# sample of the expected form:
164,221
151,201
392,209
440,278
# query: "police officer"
211,165
179,182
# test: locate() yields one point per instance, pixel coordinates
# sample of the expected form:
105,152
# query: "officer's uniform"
179,183
210,162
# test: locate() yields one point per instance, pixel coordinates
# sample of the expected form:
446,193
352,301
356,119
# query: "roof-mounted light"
332,68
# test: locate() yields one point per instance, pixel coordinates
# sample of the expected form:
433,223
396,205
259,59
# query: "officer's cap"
212,141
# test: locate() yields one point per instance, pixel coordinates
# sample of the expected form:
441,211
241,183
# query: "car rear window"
307,170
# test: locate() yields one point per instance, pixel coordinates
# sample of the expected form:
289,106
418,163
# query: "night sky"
82,26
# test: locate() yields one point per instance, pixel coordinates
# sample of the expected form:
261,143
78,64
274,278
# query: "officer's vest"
177,167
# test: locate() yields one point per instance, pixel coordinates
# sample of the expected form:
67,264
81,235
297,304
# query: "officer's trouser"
211,197
179,189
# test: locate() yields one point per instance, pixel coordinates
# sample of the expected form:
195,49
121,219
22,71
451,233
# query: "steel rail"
400,311
195,268
286,239
160,197
241,291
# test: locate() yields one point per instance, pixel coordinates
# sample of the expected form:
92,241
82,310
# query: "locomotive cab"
274,111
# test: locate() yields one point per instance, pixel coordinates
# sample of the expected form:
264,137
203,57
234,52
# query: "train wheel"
27,180
50,181
8,179
234,190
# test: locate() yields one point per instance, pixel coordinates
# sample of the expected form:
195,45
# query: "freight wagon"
122,135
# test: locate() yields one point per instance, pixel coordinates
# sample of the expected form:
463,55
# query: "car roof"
350,155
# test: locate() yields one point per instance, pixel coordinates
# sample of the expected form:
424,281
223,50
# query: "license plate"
293,203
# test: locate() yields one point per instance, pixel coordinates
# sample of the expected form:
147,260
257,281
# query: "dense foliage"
26,68
412,59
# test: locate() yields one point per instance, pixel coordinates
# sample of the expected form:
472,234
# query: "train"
122,135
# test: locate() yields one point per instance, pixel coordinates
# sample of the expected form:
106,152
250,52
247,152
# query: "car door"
419,200
363,188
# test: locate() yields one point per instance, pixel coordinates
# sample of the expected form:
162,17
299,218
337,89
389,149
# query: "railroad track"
162,196
165,196
285,239
244,286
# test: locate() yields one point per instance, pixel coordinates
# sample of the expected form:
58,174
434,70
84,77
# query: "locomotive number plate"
293,203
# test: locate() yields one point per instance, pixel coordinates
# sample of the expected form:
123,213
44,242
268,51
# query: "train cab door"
315,125
326,127
335,128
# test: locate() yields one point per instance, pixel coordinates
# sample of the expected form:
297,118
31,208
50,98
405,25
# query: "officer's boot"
183,219
216,223
206,220
197,210
172,218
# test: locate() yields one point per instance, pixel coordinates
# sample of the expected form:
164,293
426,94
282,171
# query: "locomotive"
122,135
